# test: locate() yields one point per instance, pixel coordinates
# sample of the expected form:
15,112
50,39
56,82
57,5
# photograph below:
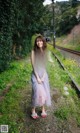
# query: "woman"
39,77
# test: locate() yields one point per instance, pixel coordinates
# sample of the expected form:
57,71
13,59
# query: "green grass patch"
69,107
17,74
62,113
11,112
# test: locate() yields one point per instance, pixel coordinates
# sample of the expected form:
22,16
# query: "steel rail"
74,84
68,50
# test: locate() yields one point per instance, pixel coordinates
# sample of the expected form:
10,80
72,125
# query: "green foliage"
64,17
18,22
46,18
5,35
69,109
73,68
62,113
66,21
74,3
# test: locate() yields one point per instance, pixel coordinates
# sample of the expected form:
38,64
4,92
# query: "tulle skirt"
40,92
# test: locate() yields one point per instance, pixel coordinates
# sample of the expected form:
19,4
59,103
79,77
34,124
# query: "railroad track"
68,50
73,82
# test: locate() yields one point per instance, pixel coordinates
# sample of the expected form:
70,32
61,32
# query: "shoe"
43,114
34,116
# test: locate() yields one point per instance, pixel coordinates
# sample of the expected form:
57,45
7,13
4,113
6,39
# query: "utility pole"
53,24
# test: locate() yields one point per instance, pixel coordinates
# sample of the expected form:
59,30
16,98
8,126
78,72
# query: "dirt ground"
50,124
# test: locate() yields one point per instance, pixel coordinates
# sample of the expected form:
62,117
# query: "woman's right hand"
39,80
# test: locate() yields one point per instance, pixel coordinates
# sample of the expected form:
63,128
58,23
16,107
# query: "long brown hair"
36,48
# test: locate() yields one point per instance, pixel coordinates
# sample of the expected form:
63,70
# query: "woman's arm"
32,62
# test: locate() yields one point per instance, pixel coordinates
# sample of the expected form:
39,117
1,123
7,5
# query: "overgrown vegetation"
71,65
65,17
18,22
14,107
11,112
69,105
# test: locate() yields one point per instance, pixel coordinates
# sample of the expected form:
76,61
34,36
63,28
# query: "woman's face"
39,43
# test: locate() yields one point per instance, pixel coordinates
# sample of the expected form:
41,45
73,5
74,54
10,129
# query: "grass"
18,71
69,109
11,112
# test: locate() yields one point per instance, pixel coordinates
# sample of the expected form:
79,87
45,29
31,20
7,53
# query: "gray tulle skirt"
40,92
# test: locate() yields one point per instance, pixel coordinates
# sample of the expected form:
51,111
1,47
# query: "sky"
50,1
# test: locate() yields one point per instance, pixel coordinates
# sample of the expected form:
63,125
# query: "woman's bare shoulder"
32,52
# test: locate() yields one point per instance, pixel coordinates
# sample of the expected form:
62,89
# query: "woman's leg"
33,110
43,114
43,109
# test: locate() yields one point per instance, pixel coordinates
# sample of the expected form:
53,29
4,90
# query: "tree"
19,20
74,3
